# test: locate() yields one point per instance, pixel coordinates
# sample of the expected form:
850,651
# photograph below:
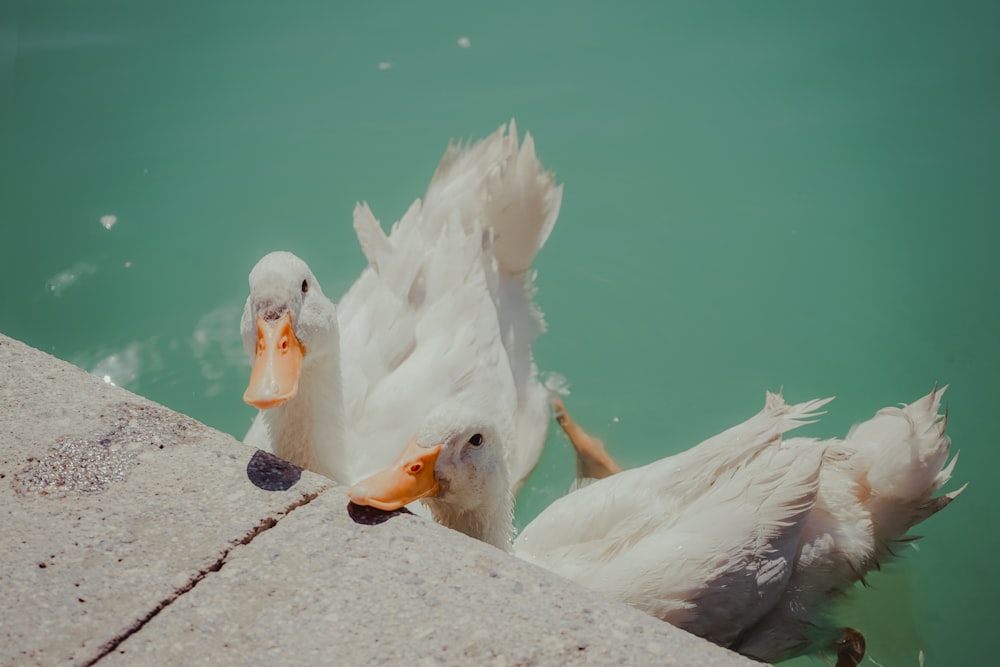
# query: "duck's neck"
308,430
492,523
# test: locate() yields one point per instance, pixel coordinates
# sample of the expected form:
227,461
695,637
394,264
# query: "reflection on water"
217,346
124,367
63,280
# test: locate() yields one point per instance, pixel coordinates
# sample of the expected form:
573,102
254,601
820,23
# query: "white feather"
437,315
743,539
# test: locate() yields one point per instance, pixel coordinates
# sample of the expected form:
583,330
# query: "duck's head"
456,464
287,324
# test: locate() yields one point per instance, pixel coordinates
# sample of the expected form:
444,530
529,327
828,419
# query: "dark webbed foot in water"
592,459
850,648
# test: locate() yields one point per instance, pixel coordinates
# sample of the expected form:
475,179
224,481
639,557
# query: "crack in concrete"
265,524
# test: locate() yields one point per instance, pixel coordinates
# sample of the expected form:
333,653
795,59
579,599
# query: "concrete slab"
110,505
321,589
133,535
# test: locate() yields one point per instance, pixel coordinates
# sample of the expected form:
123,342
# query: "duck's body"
703,539
446,301
875,486
742,539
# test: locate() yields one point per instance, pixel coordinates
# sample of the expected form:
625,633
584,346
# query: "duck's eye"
305,286
476,440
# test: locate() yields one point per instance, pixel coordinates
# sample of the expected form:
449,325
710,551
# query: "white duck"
742,539
444,311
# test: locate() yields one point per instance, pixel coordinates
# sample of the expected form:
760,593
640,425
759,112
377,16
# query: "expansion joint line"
265,525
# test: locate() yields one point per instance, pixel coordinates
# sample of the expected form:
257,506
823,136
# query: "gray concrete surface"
133,535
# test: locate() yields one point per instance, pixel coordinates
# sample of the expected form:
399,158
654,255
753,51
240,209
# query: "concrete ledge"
133,535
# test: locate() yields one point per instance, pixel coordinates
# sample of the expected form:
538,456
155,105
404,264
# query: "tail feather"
390,256
942,477
505,185
459,180
900,460
796,414
523,203
932,506
374,243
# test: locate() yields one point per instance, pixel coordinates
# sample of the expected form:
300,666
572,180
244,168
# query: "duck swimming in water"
743,539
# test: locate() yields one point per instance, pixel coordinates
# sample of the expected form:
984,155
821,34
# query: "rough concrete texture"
133,535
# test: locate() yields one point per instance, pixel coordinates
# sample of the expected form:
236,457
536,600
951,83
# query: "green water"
757,195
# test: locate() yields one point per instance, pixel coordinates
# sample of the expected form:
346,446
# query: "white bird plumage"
743,539
444,311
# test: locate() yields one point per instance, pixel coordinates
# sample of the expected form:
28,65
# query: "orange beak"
409,478
275,375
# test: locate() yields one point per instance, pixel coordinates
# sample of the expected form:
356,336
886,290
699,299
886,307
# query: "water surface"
757,196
